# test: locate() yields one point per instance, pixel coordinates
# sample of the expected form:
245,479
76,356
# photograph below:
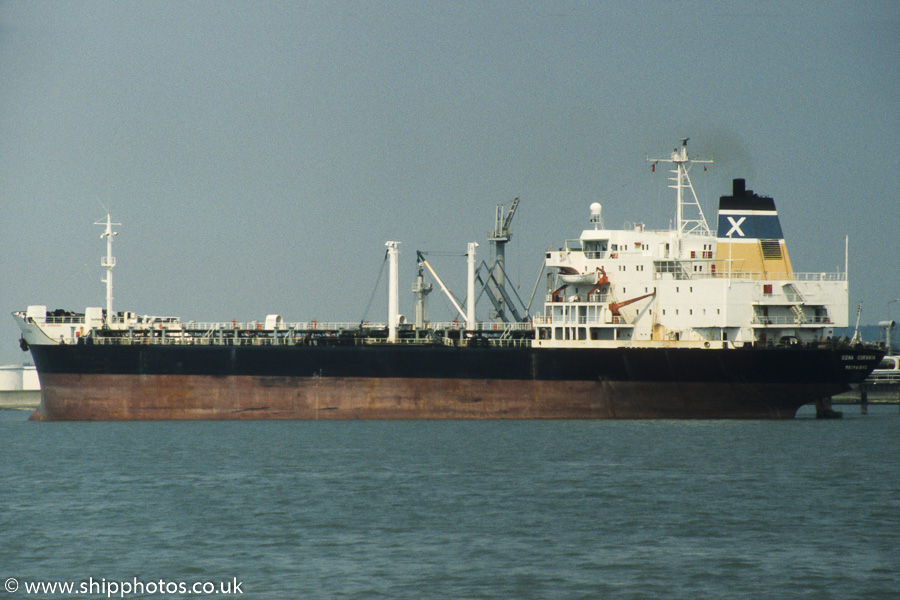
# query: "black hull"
430,382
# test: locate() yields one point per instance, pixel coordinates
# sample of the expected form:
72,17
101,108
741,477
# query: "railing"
325,332
187,340
71,319
680,266
761,276
791,320
889,377
116,320
579,320
316,325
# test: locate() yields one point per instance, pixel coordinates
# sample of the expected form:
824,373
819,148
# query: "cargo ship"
686,322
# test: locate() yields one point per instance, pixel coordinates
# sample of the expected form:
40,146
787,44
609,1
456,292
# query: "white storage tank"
11,377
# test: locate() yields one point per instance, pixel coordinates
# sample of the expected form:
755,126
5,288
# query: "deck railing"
791,320
254,333
757,275
188,340
888,377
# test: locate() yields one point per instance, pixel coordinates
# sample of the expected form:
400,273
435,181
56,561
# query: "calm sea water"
323,510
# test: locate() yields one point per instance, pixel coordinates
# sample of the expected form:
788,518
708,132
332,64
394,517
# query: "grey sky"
259,154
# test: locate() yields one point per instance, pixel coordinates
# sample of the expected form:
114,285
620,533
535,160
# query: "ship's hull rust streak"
160,397
87,382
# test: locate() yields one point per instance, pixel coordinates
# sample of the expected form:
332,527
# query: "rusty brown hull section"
67,396
135,381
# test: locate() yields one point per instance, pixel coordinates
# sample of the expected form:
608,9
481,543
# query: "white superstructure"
688,286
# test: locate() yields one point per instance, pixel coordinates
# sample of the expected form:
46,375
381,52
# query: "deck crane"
498,237
615,306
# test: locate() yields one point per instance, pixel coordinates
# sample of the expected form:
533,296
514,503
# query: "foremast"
109,262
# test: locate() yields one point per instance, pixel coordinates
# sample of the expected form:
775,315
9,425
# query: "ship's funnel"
746,216
749,234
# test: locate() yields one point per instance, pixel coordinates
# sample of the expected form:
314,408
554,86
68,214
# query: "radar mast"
694,224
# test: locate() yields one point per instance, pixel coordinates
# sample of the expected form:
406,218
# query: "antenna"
108,262
682,184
